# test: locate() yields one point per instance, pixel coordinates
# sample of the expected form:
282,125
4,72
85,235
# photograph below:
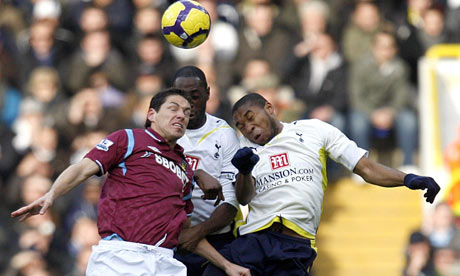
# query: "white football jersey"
291,175
211,148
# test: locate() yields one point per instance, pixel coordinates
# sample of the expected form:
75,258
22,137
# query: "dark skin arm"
222,216
209,185
378,174
244,188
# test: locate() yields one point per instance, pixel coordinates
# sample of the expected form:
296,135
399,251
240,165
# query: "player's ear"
151,114
208,92
269,108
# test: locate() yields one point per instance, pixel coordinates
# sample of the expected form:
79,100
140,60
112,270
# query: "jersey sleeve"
110,151
340,148
228,173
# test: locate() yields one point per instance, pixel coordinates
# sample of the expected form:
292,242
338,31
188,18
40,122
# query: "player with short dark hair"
283,179
209,144
145,200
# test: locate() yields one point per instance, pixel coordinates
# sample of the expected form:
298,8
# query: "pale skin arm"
244,188
67,180
222,216
378,174
206,250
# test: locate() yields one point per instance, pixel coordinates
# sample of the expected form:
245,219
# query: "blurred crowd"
72,71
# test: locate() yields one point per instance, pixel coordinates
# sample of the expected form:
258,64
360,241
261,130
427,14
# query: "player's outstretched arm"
378,174
67,180
206,250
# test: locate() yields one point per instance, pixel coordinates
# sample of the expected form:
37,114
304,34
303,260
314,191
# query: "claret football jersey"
146,195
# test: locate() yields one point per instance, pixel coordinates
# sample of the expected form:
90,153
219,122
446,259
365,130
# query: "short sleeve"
110,151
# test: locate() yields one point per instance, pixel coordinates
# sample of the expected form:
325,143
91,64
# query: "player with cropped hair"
209,144
283,179
145,199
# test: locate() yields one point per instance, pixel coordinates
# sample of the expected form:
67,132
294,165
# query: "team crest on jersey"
193,161
279,161
104,145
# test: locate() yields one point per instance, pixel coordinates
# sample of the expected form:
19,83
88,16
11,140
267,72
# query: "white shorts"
111,257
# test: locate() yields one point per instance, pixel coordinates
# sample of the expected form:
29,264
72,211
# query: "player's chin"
178,133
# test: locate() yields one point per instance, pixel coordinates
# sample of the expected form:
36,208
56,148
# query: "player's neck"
197,123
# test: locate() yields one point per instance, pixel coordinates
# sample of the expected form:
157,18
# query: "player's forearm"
221,217
73,176
244,188
378,174
206,250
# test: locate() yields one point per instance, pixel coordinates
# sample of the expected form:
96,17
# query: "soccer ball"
185,24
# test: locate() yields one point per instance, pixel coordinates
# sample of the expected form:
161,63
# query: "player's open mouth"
178,125
256,138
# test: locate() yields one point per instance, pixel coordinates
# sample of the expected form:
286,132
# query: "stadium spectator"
153,57
419,256
261,37
319,78
10,99
95,54
86,113
126,157
44,90
41,49
209,144
282,178
146,86
314,16
147,21
380,97
360,31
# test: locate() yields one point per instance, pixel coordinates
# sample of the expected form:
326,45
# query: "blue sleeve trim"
187,197
113,237
129,150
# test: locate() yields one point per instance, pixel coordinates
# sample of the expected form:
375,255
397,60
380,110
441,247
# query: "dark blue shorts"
268,253
195,264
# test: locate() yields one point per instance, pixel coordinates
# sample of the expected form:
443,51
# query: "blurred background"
387,73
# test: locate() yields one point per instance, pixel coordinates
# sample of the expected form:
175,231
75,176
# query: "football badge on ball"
185,24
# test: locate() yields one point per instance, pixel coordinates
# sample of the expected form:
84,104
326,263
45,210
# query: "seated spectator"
446,261
147,21
258,77
153,57
379,90
111,97
359,33
10,99
86,113
41,49
44,91
95,54
418,253
261,37
147,84
444,232
84,204
314,16
320,80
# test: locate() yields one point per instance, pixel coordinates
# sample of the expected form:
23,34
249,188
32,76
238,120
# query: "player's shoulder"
218,124
305,122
